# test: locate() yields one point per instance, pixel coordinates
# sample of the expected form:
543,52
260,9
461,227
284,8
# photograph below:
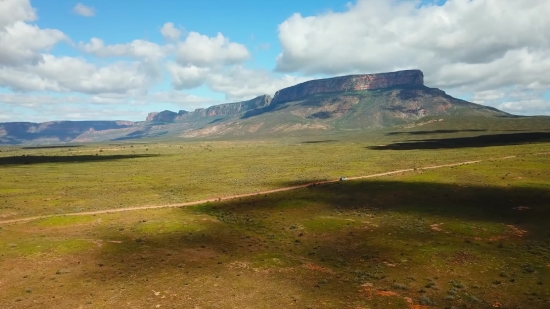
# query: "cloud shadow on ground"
469,142
32,159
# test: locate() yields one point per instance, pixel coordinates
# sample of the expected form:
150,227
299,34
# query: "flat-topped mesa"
349,83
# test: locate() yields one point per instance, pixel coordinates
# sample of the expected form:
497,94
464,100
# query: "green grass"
64,221
328,224
182,172
169,226
462,237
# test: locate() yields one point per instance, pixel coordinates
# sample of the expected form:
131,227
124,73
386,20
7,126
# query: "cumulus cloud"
487,96
186,77
65,74
84,10
495,51
235,82
12,11
136,49
218,63
21,42
74,106
203,51
239,83
538,106
515,100
26,64
474,44
29,100
170,32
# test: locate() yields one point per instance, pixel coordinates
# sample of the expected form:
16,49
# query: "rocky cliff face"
349,83
301,91
216,110
236,108
164,116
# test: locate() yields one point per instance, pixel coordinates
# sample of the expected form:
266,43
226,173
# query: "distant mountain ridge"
216,110
356,102
54,131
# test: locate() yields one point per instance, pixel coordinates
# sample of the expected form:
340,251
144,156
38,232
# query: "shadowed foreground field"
472,236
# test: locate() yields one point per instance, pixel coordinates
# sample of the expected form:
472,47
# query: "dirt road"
231,197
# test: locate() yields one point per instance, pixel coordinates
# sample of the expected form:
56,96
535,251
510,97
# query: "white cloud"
73,106
136,49
488,95
12,11
239,83
66,74
186,77
170,32
515,100
26,65
84,10
37,100
476,45
21,43
189,102
203,51
539,106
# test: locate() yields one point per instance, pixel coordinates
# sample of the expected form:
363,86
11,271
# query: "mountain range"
354,102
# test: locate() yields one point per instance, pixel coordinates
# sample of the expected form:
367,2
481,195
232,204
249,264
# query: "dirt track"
106,211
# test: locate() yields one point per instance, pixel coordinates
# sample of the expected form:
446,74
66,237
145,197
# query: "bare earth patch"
318,268
386,293
518,232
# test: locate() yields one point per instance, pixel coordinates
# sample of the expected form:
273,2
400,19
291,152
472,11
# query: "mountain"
53,132
354,102
227,109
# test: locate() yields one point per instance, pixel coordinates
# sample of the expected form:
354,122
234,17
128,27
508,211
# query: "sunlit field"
468,236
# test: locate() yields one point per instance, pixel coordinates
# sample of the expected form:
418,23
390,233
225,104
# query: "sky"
119,60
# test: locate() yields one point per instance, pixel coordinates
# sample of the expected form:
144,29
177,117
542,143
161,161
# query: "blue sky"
71,60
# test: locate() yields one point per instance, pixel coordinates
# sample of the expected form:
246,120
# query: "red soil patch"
386,293
318,268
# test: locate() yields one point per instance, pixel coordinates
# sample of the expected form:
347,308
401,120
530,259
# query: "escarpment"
349,83
227,109
299,92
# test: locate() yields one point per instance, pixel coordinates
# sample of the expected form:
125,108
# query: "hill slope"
355,102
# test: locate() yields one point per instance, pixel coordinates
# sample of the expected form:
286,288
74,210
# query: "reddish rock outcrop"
349,83
164,116
151,116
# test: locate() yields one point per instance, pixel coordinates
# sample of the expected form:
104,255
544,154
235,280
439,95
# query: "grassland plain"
472,236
